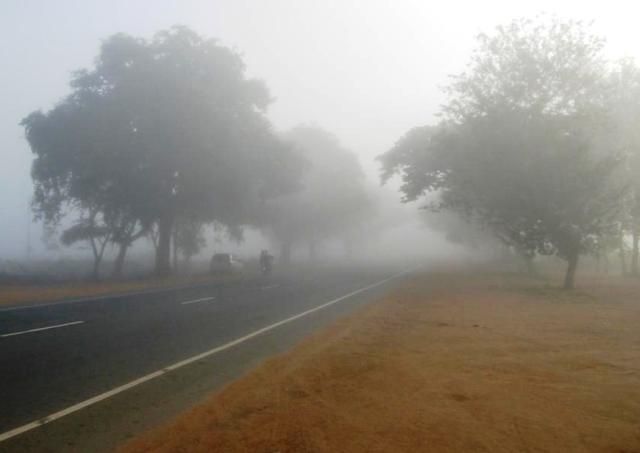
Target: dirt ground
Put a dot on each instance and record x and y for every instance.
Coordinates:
(28, 294)
(464, 363)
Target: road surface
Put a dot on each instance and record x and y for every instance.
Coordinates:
(112, 367)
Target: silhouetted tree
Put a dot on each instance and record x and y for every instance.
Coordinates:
(82, 168)
(89, 228)
(516, 147)
(332, 202)
(189, 239)
(159, 130)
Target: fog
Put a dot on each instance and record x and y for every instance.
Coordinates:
(367, 71)
(364, 200)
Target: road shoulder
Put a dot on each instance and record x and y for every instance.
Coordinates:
(103, 426)
(445, 363)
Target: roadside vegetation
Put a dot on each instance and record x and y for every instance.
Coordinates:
(166, 137)
(537, 144)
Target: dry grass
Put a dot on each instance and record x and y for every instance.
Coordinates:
(447, 363)
(17, 294)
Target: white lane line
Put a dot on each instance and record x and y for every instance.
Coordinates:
(195, 301)
(269, 287)
(103, 396)
(40, 329)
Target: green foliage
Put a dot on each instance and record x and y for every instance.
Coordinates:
(83, 231)
(190, 238)
(159, 130)
(517, 150)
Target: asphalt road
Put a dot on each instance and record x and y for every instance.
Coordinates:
(55, 356)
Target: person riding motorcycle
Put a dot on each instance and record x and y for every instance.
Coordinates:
(266, 262)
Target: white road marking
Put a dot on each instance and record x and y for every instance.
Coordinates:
(195, 301)
(57, 326)
(103, 396)
(269, 287)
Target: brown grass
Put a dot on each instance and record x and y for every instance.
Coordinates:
(18, 294)
(446, 363)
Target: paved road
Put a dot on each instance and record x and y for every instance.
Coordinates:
(55, 356)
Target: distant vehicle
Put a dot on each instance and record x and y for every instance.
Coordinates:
(222, 263)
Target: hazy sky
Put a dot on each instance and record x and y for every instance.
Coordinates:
(367, 70)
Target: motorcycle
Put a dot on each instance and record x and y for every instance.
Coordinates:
(265, 269)
(266, 264)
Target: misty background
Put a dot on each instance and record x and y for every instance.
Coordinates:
(365, 70)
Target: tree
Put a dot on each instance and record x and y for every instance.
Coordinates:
(126, 230)
(76, 170)
(458, 230)
(189, 240)
(89, 228)
(159, 130)
(515, 150)
(332, 202)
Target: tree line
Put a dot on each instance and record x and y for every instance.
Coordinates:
(163, 137)
(538, 143)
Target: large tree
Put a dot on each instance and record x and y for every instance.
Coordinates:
(83, 168)
(516, 149)
(175, 130)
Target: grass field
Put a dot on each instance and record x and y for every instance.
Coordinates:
(447, 362)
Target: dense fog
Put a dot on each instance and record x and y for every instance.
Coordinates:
(271, 123)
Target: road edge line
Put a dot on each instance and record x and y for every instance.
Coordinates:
(197, 301)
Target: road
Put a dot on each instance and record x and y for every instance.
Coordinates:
(183, 343)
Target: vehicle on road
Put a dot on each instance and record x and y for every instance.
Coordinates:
(223, 263)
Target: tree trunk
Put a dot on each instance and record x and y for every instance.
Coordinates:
(569, 277)
(98, 252)
(95, 274)
(97, 258)
(163, 252)
(118, 264)
(634, 253)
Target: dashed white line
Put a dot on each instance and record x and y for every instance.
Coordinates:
(269, 287)
(195, 301)
(103, 396)
(40, 329)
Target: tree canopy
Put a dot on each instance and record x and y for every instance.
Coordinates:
(332, 200)
(516, 149)
(159, 130)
